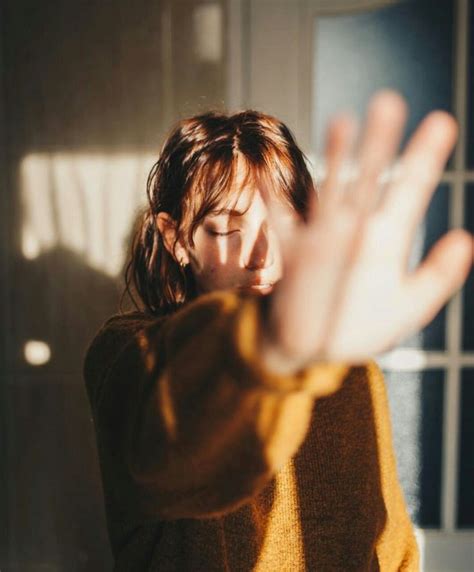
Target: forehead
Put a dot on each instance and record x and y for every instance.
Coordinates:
(251, 208)
(245, 196)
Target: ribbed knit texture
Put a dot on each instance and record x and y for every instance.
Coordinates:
(211, 463)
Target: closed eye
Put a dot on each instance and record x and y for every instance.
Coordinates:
(216, 233)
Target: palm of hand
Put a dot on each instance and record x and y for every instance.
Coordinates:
(346, 292)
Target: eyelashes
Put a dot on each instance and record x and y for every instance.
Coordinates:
(216, 233)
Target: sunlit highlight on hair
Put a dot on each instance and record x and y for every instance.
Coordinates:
(199, 172)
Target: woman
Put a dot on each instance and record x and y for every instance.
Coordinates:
(240, 422)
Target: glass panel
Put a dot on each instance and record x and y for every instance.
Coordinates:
(416, 402)
(466, 459)
(407, 47)
(433, 227)
(468, 297)
(470, 99)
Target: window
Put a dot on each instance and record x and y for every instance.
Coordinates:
(421, 49)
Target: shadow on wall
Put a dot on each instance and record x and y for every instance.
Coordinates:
(76, 213)
(56, 514)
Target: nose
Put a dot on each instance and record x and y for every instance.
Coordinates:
(261, 253)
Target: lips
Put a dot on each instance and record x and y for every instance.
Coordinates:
(258, 287)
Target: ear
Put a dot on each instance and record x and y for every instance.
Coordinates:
(168, 230)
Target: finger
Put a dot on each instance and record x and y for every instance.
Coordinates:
(440, 275)
(419, 171)
(385, 121)
(340, 139)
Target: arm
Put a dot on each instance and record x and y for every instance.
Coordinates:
(189, 422)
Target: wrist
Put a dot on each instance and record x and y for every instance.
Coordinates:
(275, 356)
(275, 360)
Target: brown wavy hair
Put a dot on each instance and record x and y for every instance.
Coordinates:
(193, 177)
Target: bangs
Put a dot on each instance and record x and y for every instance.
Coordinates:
(220, 179)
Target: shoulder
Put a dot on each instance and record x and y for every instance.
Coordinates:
(120, 330)
(112, 338)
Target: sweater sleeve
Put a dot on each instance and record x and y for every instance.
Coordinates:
(189, 424)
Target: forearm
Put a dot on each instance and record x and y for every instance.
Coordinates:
(203, 426)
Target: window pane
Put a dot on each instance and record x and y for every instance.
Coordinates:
(433, 227)
(408, 47)
(466, 460)
(416, 402)
(470, 99)
(468, 297)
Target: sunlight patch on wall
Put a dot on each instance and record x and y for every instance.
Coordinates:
(36, 352)
(208, 22)
(85, 203)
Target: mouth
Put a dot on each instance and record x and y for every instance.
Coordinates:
(259, 288)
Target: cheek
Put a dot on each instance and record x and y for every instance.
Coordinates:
(215, 252)
(211, 255)
(216, 262)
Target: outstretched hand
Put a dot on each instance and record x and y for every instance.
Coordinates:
(346, 293)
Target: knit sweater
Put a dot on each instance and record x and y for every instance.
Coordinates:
(212, 463)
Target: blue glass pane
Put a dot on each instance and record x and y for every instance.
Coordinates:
(416, 403)
(408, 46)
(470, 92)
(468, 292)
(466, 460)
(433, 227)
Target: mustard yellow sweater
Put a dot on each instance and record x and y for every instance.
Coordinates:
(211, 463)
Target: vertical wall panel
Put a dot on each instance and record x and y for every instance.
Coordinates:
(5, 233)
(274, 35)
(84, 88)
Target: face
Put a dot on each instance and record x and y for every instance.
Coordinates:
(238, 248)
